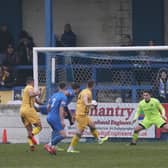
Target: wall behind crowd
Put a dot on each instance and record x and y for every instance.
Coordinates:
(148, 22)
(100, 22)
(95, 23)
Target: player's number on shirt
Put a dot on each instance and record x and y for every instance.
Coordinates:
(53, 102)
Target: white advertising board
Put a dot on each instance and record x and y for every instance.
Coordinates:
(114, 120)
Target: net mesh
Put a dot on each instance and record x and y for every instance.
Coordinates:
(119, 76)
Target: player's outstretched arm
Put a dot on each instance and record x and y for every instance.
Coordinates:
(162, 111)
(138, 111)
(33, 93)
(37, 100)
(86, 100)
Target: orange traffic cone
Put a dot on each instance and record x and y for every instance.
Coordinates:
(4, 136)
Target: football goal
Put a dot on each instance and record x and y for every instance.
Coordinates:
(120, 73)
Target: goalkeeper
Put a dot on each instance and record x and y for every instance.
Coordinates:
(84, 102)
(154, 114)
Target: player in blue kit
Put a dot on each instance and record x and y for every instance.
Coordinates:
(71, 93)
(55, 118)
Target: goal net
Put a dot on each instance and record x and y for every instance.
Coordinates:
(120, 73)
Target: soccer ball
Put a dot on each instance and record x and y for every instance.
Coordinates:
(118, 100)
(94, 102)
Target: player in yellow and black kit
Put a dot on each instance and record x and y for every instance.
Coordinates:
(84, 102)
(29, 116)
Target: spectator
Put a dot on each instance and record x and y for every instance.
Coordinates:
(127, 40)
(57, 41)
(25, 48)
(5, 38)
(10, 56)
(5, 78)
(152, 52)
(25, 35)
(160, 88)
(149, 53)
(68, 38)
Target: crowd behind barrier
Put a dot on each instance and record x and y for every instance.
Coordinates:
(16, 59)
(128, 86)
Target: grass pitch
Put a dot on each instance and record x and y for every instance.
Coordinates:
(92, 155)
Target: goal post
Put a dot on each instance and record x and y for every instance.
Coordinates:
(120, 74)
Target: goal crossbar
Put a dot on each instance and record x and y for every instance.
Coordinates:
(125, 48)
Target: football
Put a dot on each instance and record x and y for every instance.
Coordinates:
(94, 102)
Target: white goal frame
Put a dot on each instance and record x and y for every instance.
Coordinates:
(36, 50)
(94, 49)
